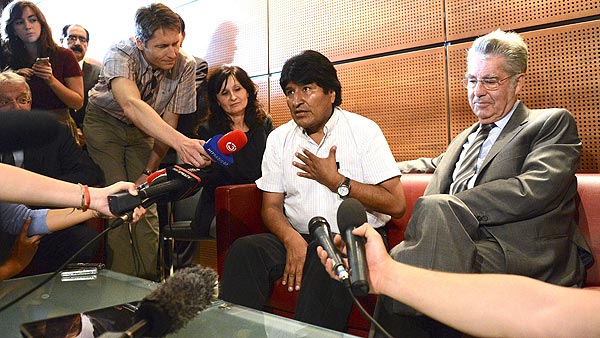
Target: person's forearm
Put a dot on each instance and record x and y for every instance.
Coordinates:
(9, 269)
(493, 305)
(72, 98)
(58, 219)
(22, 186)
(148, 121)
(276, 222)
(387, 197)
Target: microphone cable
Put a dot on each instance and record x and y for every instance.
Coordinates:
(120, 221)
(368, 316)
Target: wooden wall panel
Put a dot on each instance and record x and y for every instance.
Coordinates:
(467, 18)
(405, 95)
(344, 29)
(263, 90)
(562, 72)
(237, 35)
(277, 105)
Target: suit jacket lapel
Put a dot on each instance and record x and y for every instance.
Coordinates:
(516, 123)
(443, 173)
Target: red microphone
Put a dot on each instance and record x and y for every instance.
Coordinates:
(220, 147)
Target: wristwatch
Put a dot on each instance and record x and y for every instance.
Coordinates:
(344, 188)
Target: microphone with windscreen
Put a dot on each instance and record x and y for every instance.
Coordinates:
(220, 147)
(174, 303)
(25, 129)
(351, 214)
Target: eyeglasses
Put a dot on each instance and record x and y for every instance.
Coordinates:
(490, 84)
(73, 38)
(23, 100)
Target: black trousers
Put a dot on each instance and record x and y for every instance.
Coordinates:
(254, 262)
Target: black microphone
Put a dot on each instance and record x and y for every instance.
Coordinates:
(351, 214)
(24, 129)
(179, 181)
(320, 230)
(175, 302)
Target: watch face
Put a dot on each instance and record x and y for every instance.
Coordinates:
(343, 191)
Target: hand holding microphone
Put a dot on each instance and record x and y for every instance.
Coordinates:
(319, 229)
(176, 183)
(221, 147)
(181, 180)
(352, 214)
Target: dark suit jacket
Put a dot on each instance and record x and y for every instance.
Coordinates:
(64, 160)
(524, 193)
(90, 78)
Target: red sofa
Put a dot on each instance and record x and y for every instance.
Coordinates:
(238, 214)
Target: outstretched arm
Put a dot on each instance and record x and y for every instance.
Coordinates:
(22, 186)
(489, 305)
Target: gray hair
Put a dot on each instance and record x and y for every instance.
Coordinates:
(509, 45)
(8, 76)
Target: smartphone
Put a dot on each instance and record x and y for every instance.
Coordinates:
(43, 61)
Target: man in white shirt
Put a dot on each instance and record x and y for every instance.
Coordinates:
(310, 164)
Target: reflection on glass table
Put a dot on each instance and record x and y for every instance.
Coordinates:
(90, 305)
(58, 298)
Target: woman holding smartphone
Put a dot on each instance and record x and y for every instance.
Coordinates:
(52, 72)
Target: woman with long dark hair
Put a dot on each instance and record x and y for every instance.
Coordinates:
(52, 72)
(233, 105)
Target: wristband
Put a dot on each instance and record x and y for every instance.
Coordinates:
(147, 172)
(85, 197)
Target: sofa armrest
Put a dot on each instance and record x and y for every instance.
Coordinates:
(414, 185)
(238, 214)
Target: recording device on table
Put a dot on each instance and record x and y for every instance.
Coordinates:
(80, 271)
(181, 180)
(164, 311)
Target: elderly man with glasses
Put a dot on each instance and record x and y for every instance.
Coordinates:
(76, 38)
(501, 199)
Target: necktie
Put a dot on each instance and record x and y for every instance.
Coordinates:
(469, 164)
(8, 158)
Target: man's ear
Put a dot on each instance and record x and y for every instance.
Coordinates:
(139, 43)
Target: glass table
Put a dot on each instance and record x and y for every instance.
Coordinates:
(60, 298)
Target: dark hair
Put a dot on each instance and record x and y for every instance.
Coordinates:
(152, 17)
(312, 67)
(66, 29)
(216, 117)
(182, 24)
(19, 57)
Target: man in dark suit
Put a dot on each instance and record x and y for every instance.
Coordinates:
(76, 38)
(61, 159)
(512, 211)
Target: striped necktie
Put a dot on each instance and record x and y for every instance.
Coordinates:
(469, 164)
